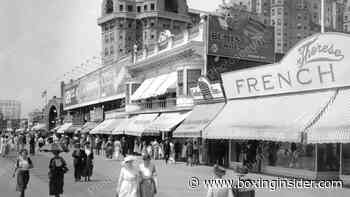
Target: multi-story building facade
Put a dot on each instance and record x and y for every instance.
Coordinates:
(346, 19)
(10, 109)
(297, 19)
(126, 23)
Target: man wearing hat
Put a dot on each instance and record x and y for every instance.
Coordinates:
(215, 191)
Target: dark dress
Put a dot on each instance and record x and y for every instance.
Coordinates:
(89, 165)
(22, 176)
(57, 169)
(78, 163)
(32, 145)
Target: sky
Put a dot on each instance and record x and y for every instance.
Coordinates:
(41, 40)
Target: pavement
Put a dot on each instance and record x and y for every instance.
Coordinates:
(173, 180)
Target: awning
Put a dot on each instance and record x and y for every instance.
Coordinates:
(166, 122)
(120, 129)
(137, 125)
(64, 127)
(88, 127)
(197, 120)
(333, 125)
(275, 118)
(39, 127)
(156, 86)
(73, 128)
(107, 126)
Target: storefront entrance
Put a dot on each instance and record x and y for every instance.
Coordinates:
(218, 151)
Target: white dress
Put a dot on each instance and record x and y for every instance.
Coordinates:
(117, 150)
(128, 183)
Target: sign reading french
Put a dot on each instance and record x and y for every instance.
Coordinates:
(318, 62)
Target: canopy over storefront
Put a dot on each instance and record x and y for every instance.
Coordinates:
(333, 125)
(88, 127)
(166, 122)
(64, 127)
(137, 125)
(197, 120)
(107, 126)
(274, 118)
(156, 86)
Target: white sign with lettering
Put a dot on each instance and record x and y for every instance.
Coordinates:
(321, 61)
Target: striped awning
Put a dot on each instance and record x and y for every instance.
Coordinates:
(166, 122)
(88, 127)
(137, 125)
(274, 118)
(107, 126)
(333, 125)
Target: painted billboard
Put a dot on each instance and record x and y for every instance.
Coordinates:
(240, 37)
(103, 85)
(318, 62)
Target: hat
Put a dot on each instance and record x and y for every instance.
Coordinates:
(219, 170)
(128, 159)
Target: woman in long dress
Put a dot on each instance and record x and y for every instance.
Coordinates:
(117, 150)
(129, 180)
(57, 169)
(148, 174)
(23, 165)
(89, 162)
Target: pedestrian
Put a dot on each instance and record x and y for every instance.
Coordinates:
(2, 145)
(41, 142)
(166, 151)
(183, 152)
(109, 148)
(149, 182)
(117, 150)
(32, 144)
(144, 148)
(78, 162)
(89, 162)
(172, 152)
(189, 153)
(124, 147)
(195, 153)
(104, 147)
(215, 191)
(98, 143)
(23, 165)
(57, 169)
(129, 180)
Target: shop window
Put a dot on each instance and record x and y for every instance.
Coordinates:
(145, 8)
(121, 8)
(346, 159)
(236, 151)
(180, 82)
(192, 79)
(289, 155)
(328, 157)
(152, 6)
(130, 8)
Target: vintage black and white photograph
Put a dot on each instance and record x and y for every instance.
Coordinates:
(174, 98)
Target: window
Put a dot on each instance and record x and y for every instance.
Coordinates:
(171, 6)
(109, 7)
(106, 51)
(145, 8)
(106, 39)
(121, 50)
(111, 26)
(130, 25)
(152, 24)
(152, 6)
(180, 82)
(111, 50)
(346, 17)
(139, 9)
(192, 79)
(273, 22)
(279, 22)
(279, 11)
(121, 25)
(273, 12)
(111, 37)
(120, 37)
(130, 8)
(121, 8)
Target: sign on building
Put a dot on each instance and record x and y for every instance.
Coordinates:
(318, 62)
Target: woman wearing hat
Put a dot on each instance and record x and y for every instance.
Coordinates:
(89, 162)
(23, 165)
(128, 184)
(57, 169)
(219, 191)
(78, 161)
(148, 184)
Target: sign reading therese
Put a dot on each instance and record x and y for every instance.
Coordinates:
(241, 37)
(318, 62)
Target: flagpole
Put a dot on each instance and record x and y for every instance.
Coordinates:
(322, 16)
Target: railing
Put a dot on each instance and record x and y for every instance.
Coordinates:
(169, 103)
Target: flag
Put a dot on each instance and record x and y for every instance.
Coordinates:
(43, 94)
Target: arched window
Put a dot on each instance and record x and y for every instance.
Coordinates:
(109, 6)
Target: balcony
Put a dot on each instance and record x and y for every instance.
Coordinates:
(159, 105)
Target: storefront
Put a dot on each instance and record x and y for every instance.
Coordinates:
(289, 118)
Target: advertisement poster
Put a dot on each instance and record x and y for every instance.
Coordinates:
(70, 96)
(89, 88)
(241, 37)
